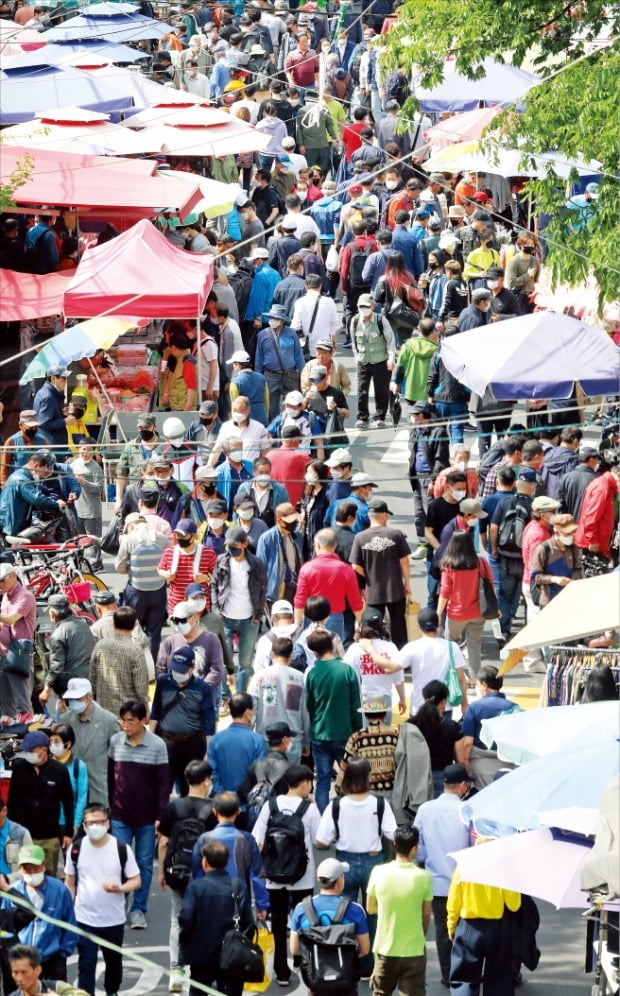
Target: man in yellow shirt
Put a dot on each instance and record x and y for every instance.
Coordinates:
(475, 928)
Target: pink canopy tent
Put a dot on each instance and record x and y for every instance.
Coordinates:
(461, 127)
(28, 295)
(142, 274)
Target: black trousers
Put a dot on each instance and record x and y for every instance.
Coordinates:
(210, 974)
(151, 609)
(396, 613)
(280, 901)
(421, 498)
(442, 940)
(379, 375)
(179, 755)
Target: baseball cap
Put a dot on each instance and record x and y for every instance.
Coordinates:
(592, 190)
(454, 774)
(378, 505)
(294, 399)
(365, 301)
(134, 517)
(259, 253)
(57, 371)
(182, 659)
(195, 590)
(288, 512)
(31, 854)
(235, 534)
(289, 142)
(325, 344)
(239, 356)
(36, 739)
(421, 408)
(495, 271)
(217, 506)
(545, 504)
(77, 688)
(149, 495)
(104, 597)
(187, 527)
(587, 453)
(481, 294)
(361, 480)
(331, 869)
(146, 420)
(338, 457)
(276, 732)
(205, 473)
(6, 569)
(208, 408)
(318, 370)
(284, 160)
(182, 610)
(29, 417)
(480, 197)
(282, 608)
(372, 617)
(527, 474)
(58, 602)
(471, 506)
(428, 620)
(422, 213)
(161, 460)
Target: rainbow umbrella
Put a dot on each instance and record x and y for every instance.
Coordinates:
(76, 343)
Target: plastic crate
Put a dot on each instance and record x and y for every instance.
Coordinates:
(78, 592)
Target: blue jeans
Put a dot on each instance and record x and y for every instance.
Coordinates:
(144, 849)
(356, 881)
(325, 752)
(509, 593)
(87, 958)
(494, 565)
(247, 632)
(432, 587)
(456, 412)
(335, 624)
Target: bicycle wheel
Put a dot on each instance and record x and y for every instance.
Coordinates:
(92, 579)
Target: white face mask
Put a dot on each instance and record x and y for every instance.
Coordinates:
(183, 628)
(96, 833)
(57, 750)
(246, 514)
(493, 284)
(274, 323)
(309, 479)
(163, 480)
(214, 523)
(238, 417)
(391, 184)
(200, 604)
(34, 880)
(292, 412)
(263, 480)
(336, 473)
(236, 456)
(458, 495)
(176, 440)
(302, 194)
(566, 540)
(30, 757)
(460, 465)
(365, 312)
(181, 679)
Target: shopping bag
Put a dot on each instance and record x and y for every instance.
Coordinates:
(266, 943)
(455, 692)
(412, 610)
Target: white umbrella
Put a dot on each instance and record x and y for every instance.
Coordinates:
(490, 156)
(524, 736)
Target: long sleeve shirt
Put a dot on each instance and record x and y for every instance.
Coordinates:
(138, 779)
(261, 292)
(326, 572)
(290, 351)
(471, 901)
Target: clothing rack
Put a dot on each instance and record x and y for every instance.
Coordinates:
(568, 668)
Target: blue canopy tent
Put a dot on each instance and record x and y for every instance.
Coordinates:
(500, 84)
(28, 90)
(119, 28)
(93, 52)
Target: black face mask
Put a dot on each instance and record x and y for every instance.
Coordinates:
(207, 421)
(290, 526)
(529, 250)
(30, 432)
(209, 489)
(185, 542)
(147, 435)
(79, 413)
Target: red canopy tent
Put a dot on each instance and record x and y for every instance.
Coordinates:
(97, 185)
(28, 295)
(139, 273)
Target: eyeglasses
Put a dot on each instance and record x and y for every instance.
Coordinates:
(95, 823)
(177, 621)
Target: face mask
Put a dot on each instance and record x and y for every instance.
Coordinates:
(79, 413)
(528, 250)
(290, 526)
(57, 749)
(493, 284)
(181, 679)
(31, 757)
(263, 480)
(187, 541)
(292, 412)
(460, 465)
(471, 523)
(336, 474)
(96, 833)
(163, 480)
(311, 480)
(302, 194)
(235, 551)
(199, 604)
(183, 628)
(433, 266)
(391, 184)
(208, 421)
(34, 880)
(274, 323)
(176, 440)
(147, 435)
(30, 432)
(246, 514)
(566, 540)
(214, 523)
(76, 706)
(365, 312)
(86, 458)
(238, 417)
(235, 456)
(458, 495)
(208, 489)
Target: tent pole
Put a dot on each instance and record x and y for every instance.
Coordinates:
(199, 356)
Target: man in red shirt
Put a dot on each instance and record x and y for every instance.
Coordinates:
(302, 65)
(596, 520)
(351, 135)
(288, 463)
(326, 572)
(404, 200)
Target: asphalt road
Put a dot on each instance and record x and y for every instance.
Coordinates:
(383, 453)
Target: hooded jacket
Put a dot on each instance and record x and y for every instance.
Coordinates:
(411, 373)
(558, 462)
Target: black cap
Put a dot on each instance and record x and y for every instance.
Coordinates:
(372, 617)
(378, 505)
(235, 534)
(276, 732)
(104, 598)
(421, 408)
(217, 506)
(428, 620)
(454, 774)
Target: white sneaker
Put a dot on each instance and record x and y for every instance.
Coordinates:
(137, 920)
(177, 980)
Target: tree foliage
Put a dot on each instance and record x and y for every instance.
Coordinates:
(13, 181)
(574, 111)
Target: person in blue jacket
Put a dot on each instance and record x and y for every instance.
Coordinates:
(62, 742)
(49, 404)
(263, 287)
(280, 551)
(22, 494)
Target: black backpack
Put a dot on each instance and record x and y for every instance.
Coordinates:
(336, 814)
(122, 856)
(32, 254)
(264, 788)
(178, 858)
(328, 952)
(284, 854)
(510, 532)
(356, 267)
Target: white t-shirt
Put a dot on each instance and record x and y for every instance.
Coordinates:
(96, 865)
(429, 660)
(238, 604)
(310, 820)
(358, 825)
(373, 680)
(253, 434)
(262, 654)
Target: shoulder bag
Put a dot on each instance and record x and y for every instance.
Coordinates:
(455, 694)
(19, 657)
(240, 954)
(489, 609)
(290, 378)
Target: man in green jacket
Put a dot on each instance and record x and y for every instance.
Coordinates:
(316, 132)
(334, 706)
(411, 372)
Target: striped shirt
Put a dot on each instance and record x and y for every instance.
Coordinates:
(138, 779)
(188, 566)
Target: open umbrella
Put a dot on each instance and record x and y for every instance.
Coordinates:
(541, 355)
(493, 157)
(524, 736)
(75, 344)
(462, 127)
(575, 776)
(544, 863)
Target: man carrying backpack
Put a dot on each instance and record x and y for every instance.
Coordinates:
(285, 831)
(265, 778)
(374, 348)
(352, 262)
(184, 820)
(41, 250)
(331, 934)
(510, 518)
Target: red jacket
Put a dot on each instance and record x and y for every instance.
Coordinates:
(596, 519)
(328, 573)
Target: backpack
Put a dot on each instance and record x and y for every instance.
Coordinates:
(284, 854)
(143, 561)
(32, 254)
(298, 661)
(510, 533)
(356, 63)
(356, 268)
(264, 788)
(397, 87)
(178, 858)
(122, 856)
(328, 952)
(336, 814)
(353, 329)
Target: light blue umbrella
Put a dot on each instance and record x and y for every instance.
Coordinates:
(576, 776)
(61, 54)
